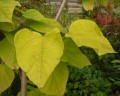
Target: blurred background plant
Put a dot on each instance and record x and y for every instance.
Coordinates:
(89, 81)
(40, 5)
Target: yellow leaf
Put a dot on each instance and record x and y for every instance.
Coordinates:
(56, 84)
(45, 25)
(6, 9)
(6, 77)
(38, 55)
(88, 4)
(87, 33)
(8, 54)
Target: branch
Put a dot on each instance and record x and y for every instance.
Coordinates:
(23, 83)
(60, 10)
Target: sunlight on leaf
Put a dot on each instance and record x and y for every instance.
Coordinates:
(38, 55)
(6, 9)
(87, 33)
(88, 4)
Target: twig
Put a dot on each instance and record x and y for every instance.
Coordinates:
(23, 83)
(60, 10)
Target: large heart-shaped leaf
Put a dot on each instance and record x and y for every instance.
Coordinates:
(6, 10)
(87, 33)
(38, 55)
(6, 77)
(8, 54)
(56, 84)
(73, 55)
(88, 4)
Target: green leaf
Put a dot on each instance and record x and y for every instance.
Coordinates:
(33, 14)
(115, 61)
(7, 27)
(8, 54)
(73, 55)
(38, 55)
(6, 9)
(34, 92)
(117, 83)
(56, 83)
(6, 77)
(39, 23)
(88, 4)
(10, 36)
(45, 25)
(103, 2)
(87, 33)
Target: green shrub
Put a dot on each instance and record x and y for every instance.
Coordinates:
(88, 81)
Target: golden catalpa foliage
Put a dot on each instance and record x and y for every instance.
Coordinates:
(43, 49)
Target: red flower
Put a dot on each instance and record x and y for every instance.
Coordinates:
(116, 22)
(105, 19)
